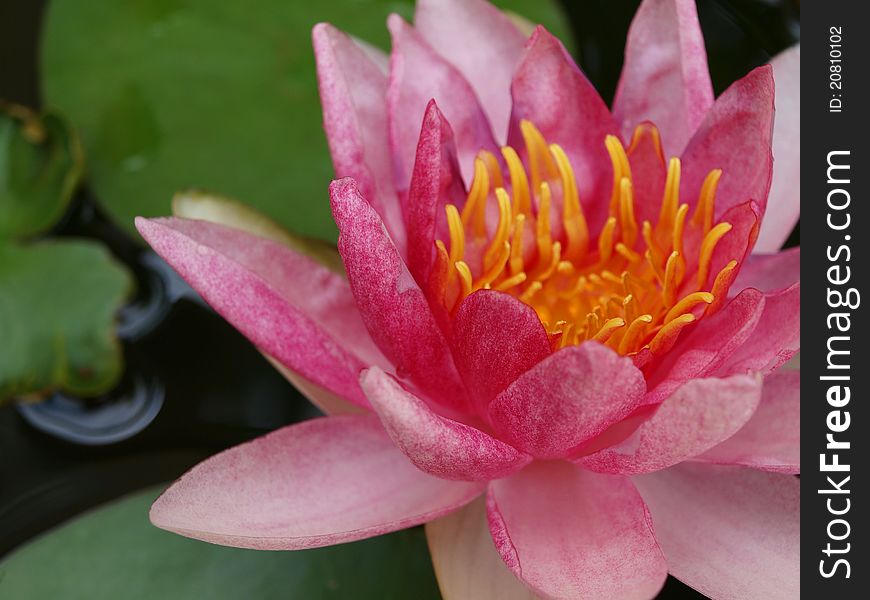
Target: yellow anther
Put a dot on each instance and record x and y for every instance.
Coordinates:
(548, 268)
(679, 227)
(493, 168)
(626, 212)
(519, 182)
(510, 282)
(605, 241)
(634, 333)
(667, 335)
(457, 233)
(517, 264)
(465, 280)
(629, 254)
(503, 230)
(708, 245)
(545, 242)
(610, 326)
(621, 169)
(573, 219)
(498, 265)
(530, 291)
(720, 286)
(671, 283)
(703, 216)
(687, 304)
(541, 165)
(474, 211)
(672, 196)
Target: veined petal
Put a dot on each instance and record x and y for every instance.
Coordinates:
(770, 272)
(417, 75)
(736, 137)
(482, 43)
(392, 305)
(570, 533)
(665, 77)
(728, 532)
(435, 444)
(649, 171)
(436, 182)
(771, 439)
(496, 338)
(317, 483)
(353, 91)
(549, 90)
(288, 305)
(776, 338)
(566, 400)
(784, 202)
(698, 416)
(466, 562)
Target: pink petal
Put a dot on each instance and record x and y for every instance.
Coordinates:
(770, 272)
(705, 348)
(569, 533)
(735, 137)
(665, 78)
(783, 205)
(482, 43)
(771, 439)
(392, 305)
(776, 338)
(549, 90)
(321, 482)
(417, 75)
(288, 305)
(466, 562)
(728, 532)
(353, 92)
(437, 445)
(698, 416)
(496, 339)
(567, 399)
(436, 182)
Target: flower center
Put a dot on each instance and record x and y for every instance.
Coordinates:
(630, 287)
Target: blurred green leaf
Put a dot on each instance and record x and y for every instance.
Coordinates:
(58, 301)
(41, 164)
(115, 553)
(220, 95)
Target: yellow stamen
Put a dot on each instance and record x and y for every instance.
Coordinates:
(493, 168)
(572, 213)
(687, 304)
(708, 245)
(519, 182)
(626, 287)
(633, 334)
(457, 234)
(541, 165)
(474, 211)
(504, 228)
(704, 211)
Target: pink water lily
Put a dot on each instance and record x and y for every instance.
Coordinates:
(553, 343)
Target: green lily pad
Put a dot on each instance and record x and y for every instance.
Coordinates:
(58, 301)
(41, 164)
(114, 552)
(213, 94)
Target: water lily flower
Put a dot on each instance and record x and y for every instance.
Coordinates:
(553, 343)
